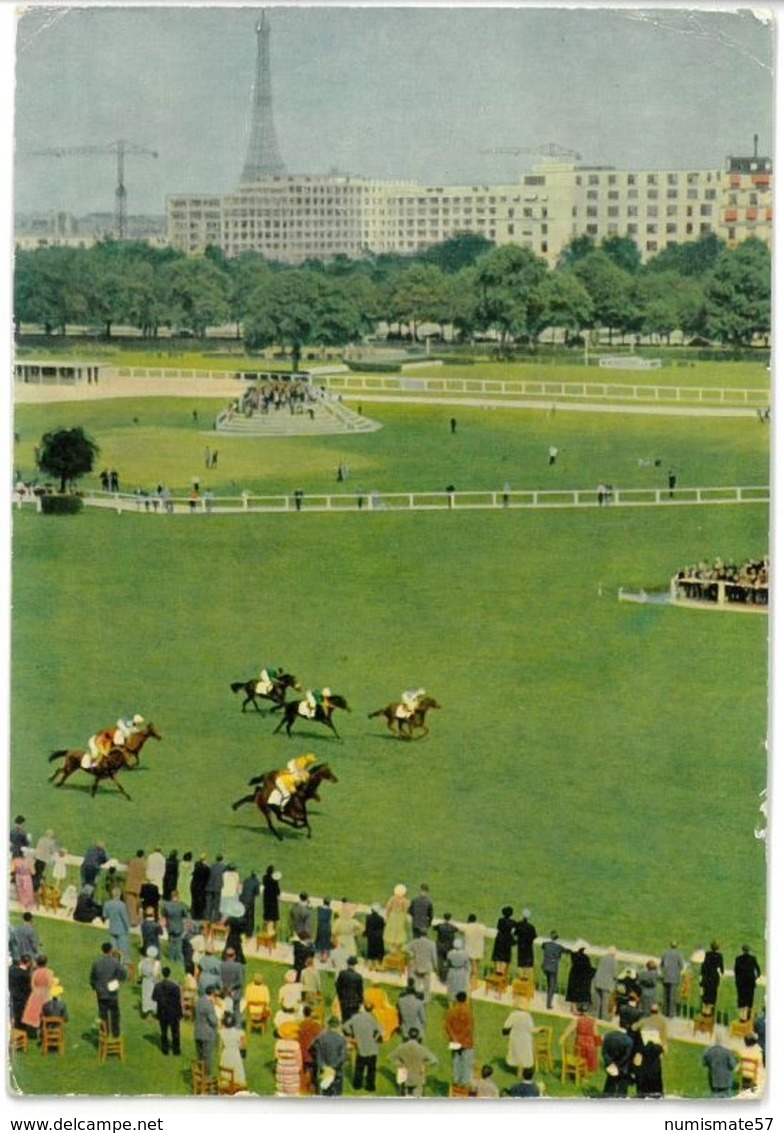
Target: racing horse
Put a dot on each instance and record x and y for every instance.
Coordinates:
(277, 693)
(293, 711)
(404, 727)
(117, 759)
(296, 812)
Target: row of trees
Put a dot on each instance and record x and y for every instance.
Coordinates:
(466, 284)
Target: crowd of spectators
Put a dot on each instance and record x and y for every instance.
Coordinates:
(198, 923)
(273, 396)
(722, 581)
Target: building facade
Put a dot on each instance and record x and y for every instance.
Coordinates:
(295, 218)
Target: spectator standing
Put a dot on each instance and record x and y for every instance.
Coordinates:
(19, 987)
(411, 1010)
(199, 882)
(396, 930)
(446, 932)
(149, 974)
(710, 975)
(474, 936)
(175, 913)
(672, 965)
(459, 1028)
(374, 935)
(346, 929)
(349, 988)
(458, 970)
(604, 982)
(270, 887)
(106, 975)
(421, 911)
(25, 938)
(363, 1027)
(412, 1059)
(721, 1064)
(205, 1028)
(232, 1045)
(648, 979)
(45, 849)
(155, 870)
(525, 936)
(94, 858)
(747, 972)
(552, 951)
(213, 890)
(134, 879)
(323, 942)
(422, 962)
(519, 1027)
(330, 1054)
(118, 924)
(617, 1050)
(151, 932)
(251, 887)
(170, 875)
(167, 998)
(23, 872)
(504, 940)
(300, 916)
(581, 973)
(19, 837)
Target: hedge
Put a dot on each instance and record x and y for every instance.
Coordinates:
(61, 505)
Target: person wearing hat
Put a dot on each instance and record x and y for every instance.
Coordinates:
(270, 899)
(199, 880)
(364, 1029)
(396, 928)
(126, 727)
(149, 974)
(55, 1007)
(411, 1010)
(445, 932)
(458, 970)
(672, 965)
(19, 838)
(581, 973)
(118, 924)
(294, 776)
(412, 1059)
(350, 989)
(374, 936)
(330, 1055)
(525, 937)
(747, 972)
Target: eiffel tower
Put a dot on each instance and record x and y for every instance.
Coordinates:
(263, 158)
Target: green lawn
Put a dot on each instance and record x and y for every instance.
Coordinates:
(597, 761)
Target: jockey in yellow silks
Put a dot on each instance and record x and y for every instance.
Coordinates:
(268, 678)
(409, 702)
(295, 775)
(99, 745)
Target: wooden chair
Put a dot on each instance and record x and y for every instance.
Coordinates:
(394, 962)
(456, 1091)
(49, 896)
(267, 940)
(739, 1028)
(200, 1083)
(496, 983)
(20, 1040)
(52, 1034)
(543, 1049)
(256, 1016)
(705, 1022)
(683, 998)
(573, 1066)
(217, 935)
(109, 1046)
(750, 1073)
(523, 987)
(226, 1083)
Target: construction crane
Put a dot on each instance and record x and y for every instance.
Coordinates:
(120, 149)
(550, 150)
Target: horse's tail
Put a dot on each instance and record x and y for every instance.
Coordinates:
(258, 779)
(380, 712)
(277, 707)
(237, 686)
(58, 754)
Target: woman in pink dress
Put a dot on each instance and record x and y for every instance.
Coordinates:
(23, 880)
(586, 1038)
(41, 984)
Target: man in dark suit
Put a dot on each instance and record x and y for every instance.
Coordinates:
(201, 875)
(106, 975)
(232, 978)
(166, 996)
(617, 1050)
(19, 977)
(350, 990)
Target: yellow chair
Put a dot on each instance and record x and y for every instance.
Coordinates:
(267, 940)
(226, 1083)
(705, 1022)
(456, 1091)
(496, 983)
(217, 935)
(49, 896)
(109, 1046)
(739, 1028)
(394, 962)
(256, 1016)
(52, 1034)
(20, 1040)
(543, 1049)
(573, 1066)
(750, 1073)
(523, 987)
(200, 1083)
(188, 997)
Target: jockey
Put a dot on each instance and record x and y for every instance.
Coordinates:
(296, 775)
(267, 679)
(409, 702)
(314, 698)
(98, 746)
(126, 727)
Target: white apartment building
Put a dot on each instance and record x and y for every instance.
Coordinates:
(295, 218)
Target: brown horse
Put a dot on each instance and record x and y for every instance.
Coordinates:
(277, 693)
(404, 727)
(291, 713)
(115, 760)
(296, 811)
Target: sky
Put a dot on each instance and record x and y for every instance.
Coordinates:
(416, 93)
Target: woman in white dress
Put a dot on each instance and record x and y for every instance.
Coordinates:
(149, 974)
(232, 1042)
(519, 1026)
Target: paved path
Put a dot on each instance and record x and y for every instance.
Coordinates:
(223, 389)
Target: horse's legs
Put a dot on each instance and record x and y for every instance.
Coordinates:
(266, 812)
(119, 787)
(284, 720)
(243, 800)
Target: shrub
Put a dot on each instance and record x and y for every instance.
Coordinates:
(373, 367)
(61, 505)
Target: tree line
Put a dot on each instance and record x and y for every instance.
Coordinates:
(467, 286)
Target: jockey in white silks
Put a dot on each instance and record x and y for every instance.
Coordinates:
(296, 774)
(267, 680)
(409, 702)
(99, 745)
(312, 700)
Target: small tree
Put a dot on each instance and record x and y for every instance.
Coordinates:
(67, 454)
